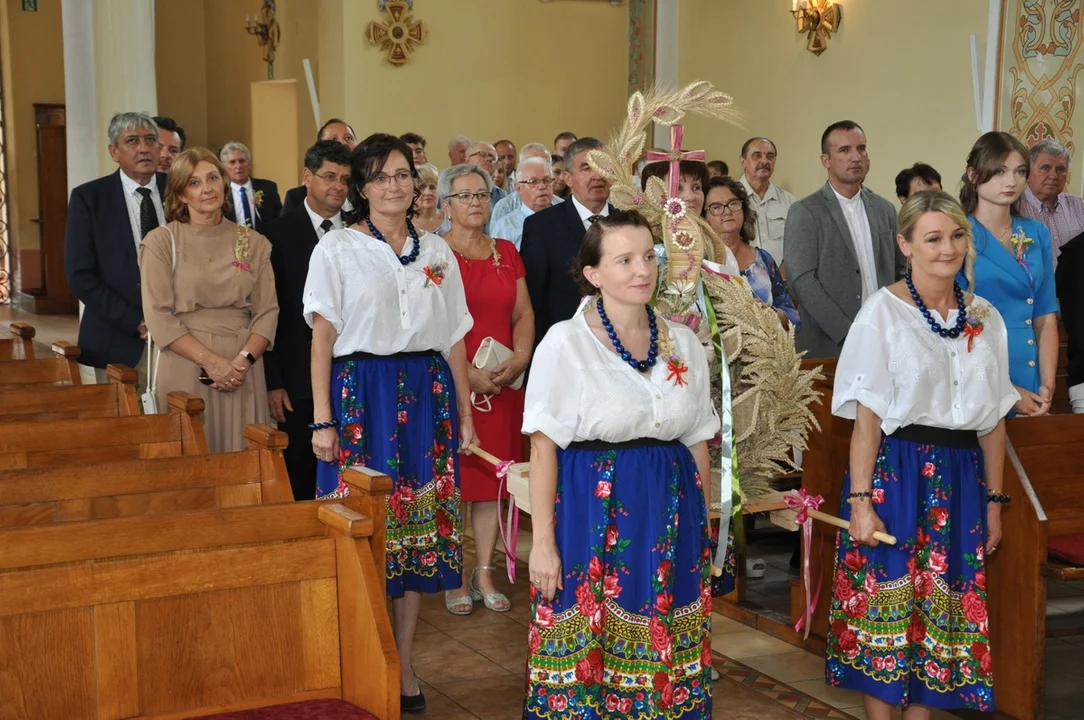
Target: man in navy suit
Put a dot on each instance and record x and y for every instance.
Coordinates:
(107, 219)
(333, 129)
(293, 237)
(255, 200)
(552, 237)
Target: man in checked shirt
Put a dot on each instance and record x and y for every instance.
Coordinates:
(1045, 199)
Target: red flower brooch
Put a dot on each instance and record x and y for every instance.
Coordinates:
(677, 369)
(434, 274)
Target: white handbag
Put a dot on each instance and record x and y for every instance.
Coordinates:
(491, 354)
(149, 399)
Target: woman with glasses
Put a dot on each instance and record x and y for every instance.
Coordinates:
(389, 379)
(427, 214)
(496, 290)
(732, 217)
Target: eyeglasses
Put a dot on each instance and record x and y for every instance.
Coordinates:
(466, 197)
(544, 182)
(336, 179)
(492, 158)
(717, 208)
(402, 178)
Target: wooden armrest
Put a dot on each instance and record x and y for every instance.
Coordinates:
(1058, 570)
(66, 350)
(121, 374)
(22, 330)
(341, 518)
(265, 437)
(185, 402)
(367, 480)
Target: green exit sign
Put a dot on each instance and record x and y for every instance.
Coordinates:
(30, 5)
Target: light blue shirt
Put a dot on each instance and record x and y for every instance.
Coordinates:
(510, 227)
(513, 202)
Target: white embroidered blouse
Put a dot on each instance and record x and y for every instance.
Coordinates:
(908, 375)
(579, 389)
(378, 305)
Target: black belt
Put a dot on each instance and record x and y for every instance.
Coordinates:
(927, 435)
(600, 445)
(370, 356)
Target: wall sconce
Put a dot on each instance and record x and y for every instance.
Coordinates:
(818, 18)
(266, 31)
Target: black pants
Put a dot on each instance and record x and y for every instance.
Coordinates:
(300, 460)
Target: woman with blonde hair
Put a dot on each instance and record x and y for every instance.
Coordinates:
(427, 213)
(924, 374)
(209, 301)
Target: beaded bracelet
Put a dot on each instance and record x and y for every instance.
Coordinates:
(324, 425)
(997, 497)
(862, 494)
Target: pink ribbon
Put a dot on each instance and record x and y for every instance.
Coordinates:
(509, 530)
(675, 156)
(803, 502)
(241, 265)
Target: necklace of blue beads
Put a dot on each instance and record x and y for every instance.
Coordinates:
(403, 259)
(961, 314)
(653, 348)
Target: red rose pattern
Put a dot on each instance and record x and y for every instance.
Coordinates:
(854, 561)
(939, 517)
(594, 570)
(611, 536)
(602, 490)
(928, 470)
(974, 607)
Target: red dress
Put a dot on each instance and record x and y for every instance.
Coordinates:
(491, 298)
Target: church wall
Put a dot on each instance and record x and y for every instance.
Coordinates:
(900, 69)
(181, 65)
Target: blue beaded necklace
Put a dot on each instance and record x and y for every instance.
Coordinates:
(961, 314)
(653, 349)
(404, 259)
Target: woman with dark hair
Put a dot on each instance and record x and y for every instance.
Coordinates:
(389, 378)
(1015, 265)
(619, 413)
(731, 215)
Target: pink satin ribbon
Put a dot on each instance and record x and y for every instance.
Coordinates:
(675, 156)
(241, 265)
(803, 502)
(510, 530)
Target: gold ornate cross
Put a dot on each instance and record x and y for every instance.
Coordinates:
(399, 33)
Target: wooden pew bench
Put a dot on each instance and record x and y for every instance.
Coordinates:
(67, 442)
(194, 613)
(20, 346)
(33, 403)
(61, 369)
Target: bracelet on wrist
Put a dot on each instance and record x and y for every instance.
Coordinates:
(324, 425)
(859, 495)
(997, 497)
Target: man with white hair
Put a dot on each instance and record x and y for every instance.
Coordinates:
(1045, 198)
(255, 200)
(457, 149)
(484, 155)
(534, 187)
(107, 220)
(513, 201)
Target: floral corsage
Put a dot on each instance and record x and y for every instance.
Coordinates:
(675, 366)
(257, 198)
(241, 249)
(1020, 242)
(973, 326)
(434, 274)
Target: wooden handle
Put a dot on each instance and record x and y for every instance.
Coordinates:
(841, 523)
(491, 459)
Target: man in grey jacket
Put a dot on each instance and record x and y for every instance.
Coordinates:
(839, 244)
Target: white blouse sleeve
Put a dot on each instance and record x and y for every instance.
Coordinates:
(862, 373)
(707, 422)
(1006, 394)
(323, 289)
(554, 389)
(459, 317)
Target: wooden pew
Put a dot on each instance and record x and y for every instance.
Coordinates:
(61, 369)
(67, 442)
(124, 488)
(192, 613)
(20, 346)
(34, 403)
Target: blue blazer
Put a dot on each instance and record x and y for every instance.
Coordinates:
(1020, 295)
(103, 271)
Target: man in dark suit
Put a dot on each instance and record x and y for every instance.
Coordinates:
(255, 200)
(333, 129)
(107, 219)
(293, 237)
(551, 239)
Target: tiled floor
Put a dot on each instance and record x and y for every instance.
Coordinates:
(50, 328)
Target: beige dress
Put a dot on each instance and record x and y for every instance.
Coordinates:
(220, 300)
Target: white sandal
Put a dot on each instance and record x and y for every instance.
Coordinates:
(755, 568)
(497, 601)
(466, 602)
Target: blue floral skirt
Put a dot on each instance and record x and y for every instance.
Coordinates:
(908, 624)
(397, 415)
(629, 636)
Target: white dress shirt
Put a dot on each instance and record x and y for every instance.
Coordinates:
(771, 217)
(318, 221)
(510, 227)
(579, 389)
(134, 201)
(358, 285)
(909, 375)
(585, 213)
(238, 212)
(854, 211)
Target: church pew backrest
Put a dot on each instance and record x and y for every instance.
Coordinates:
(193, 613)
(34, 403)
(61, 369)
(20, 346)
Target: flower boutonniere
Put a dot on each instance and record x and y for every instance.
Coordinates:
(434, 274)
(241, 249)
(676, 369)
(1020, 242)
(257, 198)
(974, 326)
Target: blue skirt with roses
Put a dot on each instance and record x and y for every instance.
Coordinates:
(629, 636)
(397, 415)
(908, 623)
